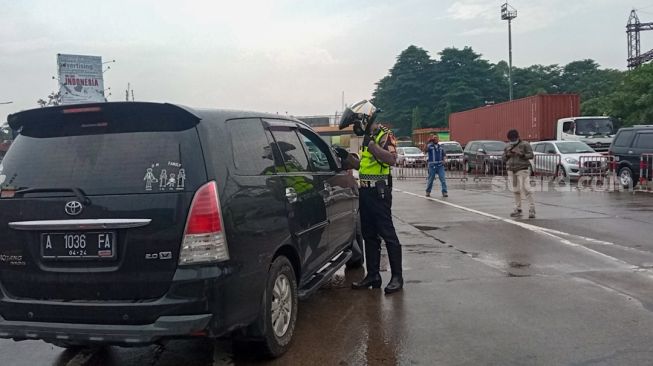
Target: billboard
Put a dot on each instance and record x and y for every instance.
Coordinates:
(80, 79)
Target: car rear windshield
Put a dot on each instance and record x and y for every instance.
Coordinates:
(494, 146)
(452, 148)
(104, 158)
(412, 150)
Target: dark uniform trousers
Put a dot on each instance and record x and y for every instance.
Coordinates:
(376, 224)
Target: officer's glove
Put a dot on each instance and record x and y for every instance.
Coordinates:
(367, 140)
(341, 153)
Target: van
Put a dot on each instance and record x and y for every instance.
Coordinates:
(128, 223)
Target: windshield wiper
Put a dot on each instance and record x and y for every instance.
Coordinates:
(81, 196)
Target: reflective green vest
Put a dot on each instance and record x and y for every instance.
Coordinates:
(370, 168)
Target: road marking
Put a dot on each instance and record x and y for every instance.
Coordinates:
(556, 234)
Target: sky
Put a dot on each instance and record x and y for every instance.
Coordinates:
(287, 56)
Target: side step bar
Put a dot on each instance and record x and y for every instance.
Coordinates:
(324, 275)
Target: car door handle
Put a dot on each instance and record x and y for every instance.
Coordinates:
(291, 195)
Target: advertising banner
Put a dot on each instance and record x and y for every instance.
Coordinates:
(80, 79)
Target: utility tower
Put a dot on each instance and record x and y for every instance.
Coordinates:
(635, 55)
(509, 13)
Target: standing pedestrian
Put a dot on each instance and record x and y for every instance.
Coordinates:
(436, 155)
(378, 154)
(517, 155)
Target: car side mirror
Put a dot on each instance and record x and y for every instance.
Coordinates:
(481, 151)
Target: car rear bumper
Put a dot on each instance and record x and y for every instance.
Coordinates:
(163, 327)
(192, 306)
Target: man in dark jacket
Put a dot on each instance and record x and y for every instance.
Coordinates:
(517, 155)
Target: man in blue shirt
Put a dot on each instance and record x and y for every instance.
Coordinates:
(436, 155)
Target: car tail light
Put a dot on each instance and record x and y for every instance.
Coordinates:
(81, 110)
(204, 240)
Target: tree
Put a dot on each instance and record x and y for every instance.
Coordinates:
(54, 99)
(416, 118)
(463, 80)
(632, 102)
(404, 88)
(418, 88)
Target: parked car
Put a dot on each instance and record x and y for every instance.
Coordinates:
(628, 146)
(454, 159)
(130, 223)
(484, 156)
(410, 157)
(563, 158)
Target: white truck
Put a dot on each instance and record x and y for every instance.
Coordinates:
(597, 132)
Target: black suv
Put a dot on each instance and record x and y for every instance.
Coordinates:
(627, 147)
(484, 157)
(125, 223)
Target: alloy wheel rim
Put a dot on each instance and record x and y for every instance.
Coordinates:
(282, 306)
(625, 178)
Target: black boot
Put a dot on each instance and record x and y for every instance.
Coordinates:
(396, 284)
(373, 281)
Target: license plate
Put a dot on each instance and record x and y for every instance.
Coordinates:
(79, 245)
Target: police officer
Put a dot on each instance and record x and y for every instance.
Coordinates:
(378, 154)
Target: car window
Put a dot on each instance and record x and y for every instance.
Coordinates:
(289, 151)
(250, 147)
(105, 159)
(574, 147)
(411, 150)
(644, 141)
(452, 148)
(539, 148)
(472, 147)
(549, 149)
(624, 138)
(494, 146)
(318, 152)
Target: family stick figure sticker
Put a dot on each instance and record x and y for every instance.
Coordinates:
(167, 181)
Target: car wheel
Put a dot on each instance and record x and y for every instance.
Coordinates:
(279, 309)
(626, 177)
(561, 175)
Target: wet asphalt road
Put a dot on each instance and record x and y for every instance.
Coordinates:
(572, 287)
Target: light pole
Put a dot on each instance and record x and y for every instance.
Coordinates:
(509, 13)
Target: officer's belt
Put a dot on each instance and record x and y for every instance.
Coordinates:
(366, 182)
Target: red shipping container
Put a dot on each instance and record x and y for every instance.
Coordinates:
(534, 117)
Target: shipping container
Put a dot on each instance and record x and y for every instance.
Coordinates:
(534, 117)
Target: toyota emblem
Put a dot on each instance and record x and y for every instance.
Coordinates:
(73, 208)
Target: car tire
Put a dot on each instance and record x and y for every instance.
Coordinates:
(280, 294)
(561, 175)
(626, 178)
